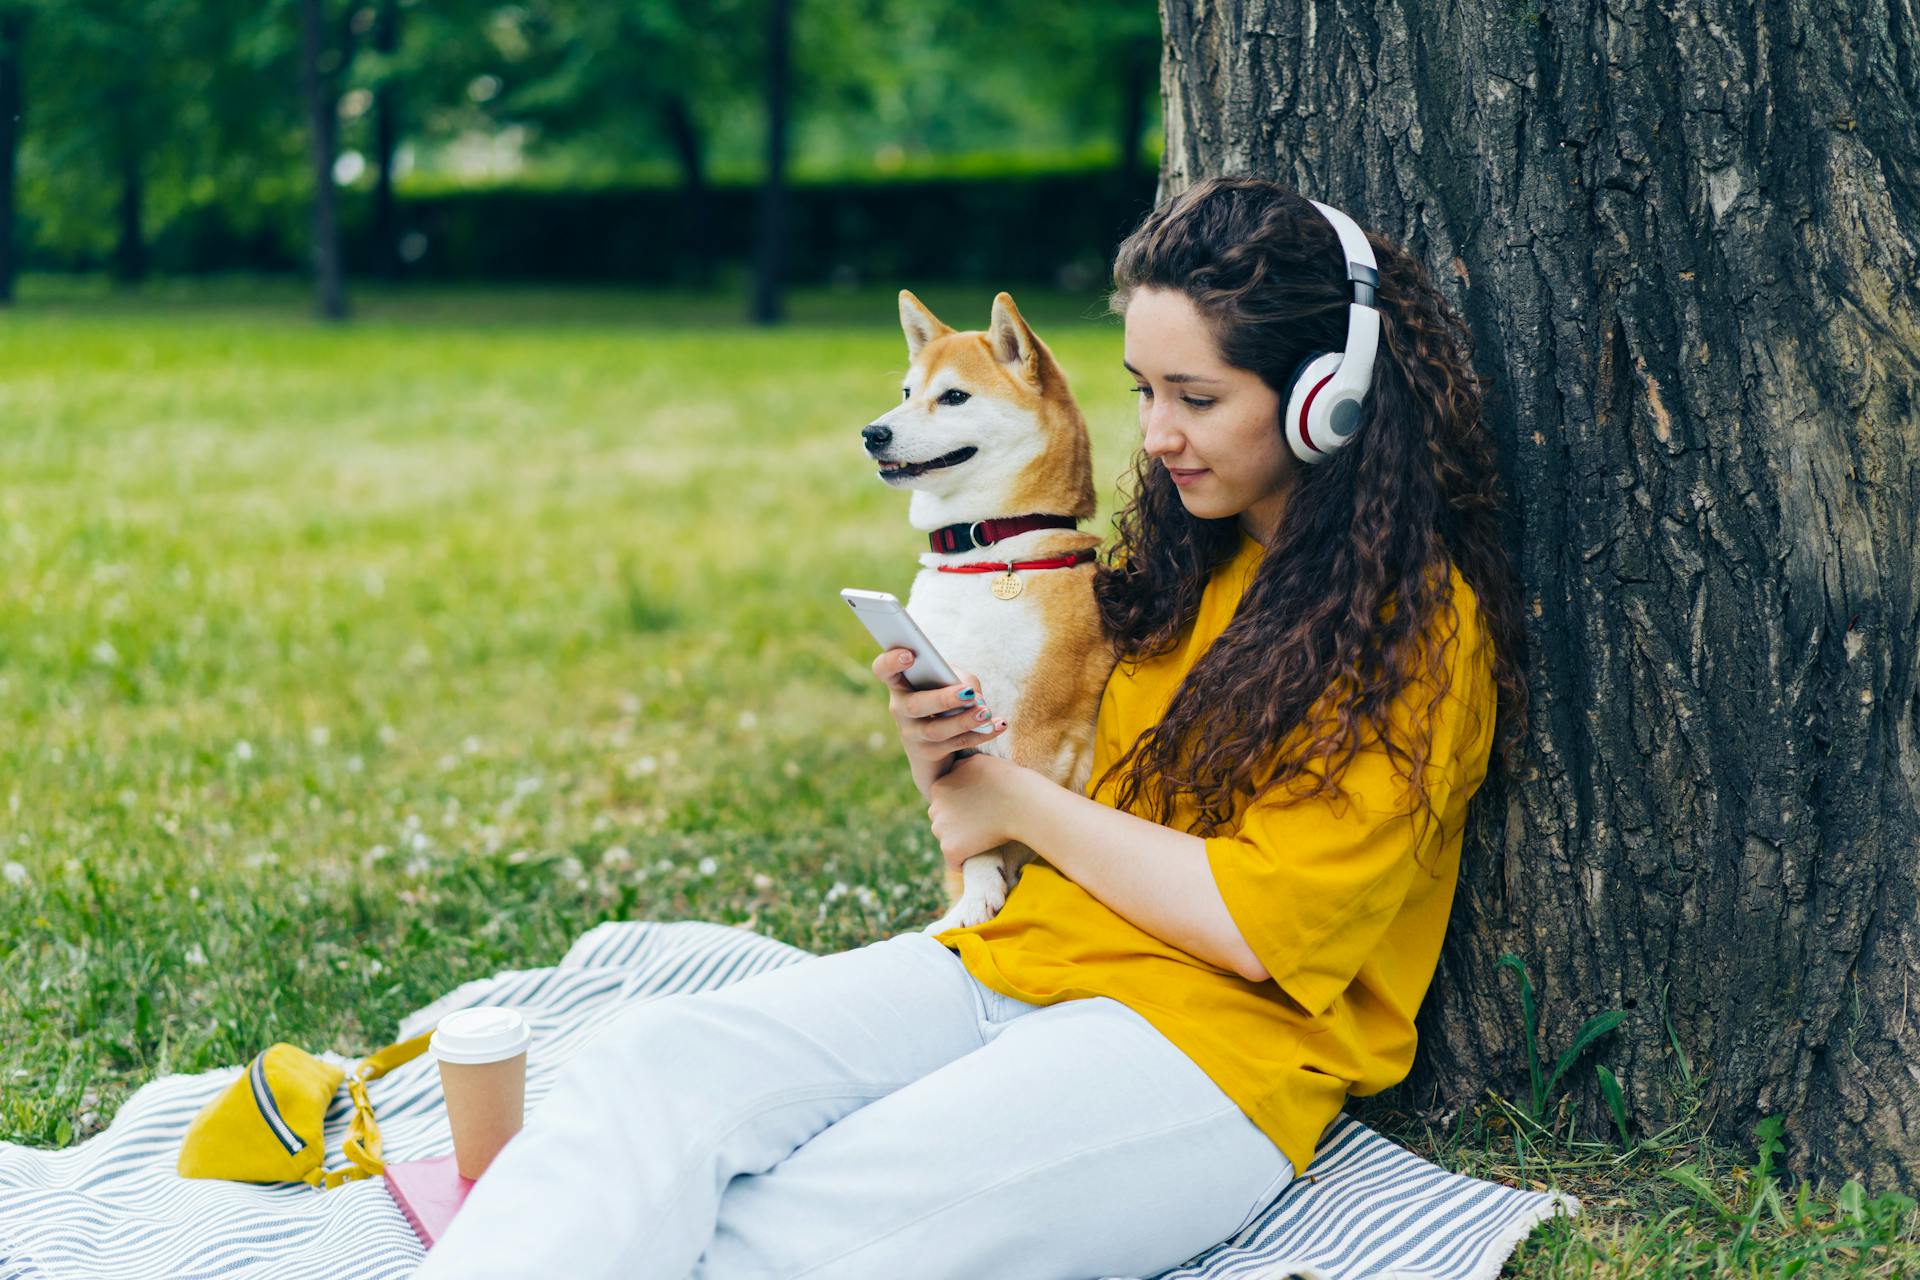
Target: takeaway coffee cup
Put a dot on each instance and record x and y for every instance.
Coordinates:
(482, 1053)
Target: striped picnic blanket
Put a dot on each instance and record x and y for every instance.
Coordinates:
(113, 1206)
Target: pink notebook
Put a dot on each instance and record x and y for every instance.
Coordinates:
(429, 1193)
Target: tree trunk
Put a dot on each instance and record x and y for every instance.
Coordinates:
(683, 135)
(323, 119)
(769, 258)
(386, 138)
(1136, 81)
(130, 252)
(13, 30)
(1684, 238)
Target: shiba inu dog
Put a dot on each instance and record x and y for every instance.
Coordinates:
(989, 439)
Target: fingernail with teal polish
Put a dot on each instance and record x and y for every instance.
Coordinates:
(966, 693)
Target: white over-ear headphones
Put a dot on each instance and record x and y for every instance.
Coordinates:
(1328, 387)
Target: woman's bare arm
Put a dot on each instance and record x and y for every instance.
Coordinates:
(1153, 875)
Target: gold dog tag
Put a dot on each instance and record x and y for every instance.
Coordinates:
(1007, 585)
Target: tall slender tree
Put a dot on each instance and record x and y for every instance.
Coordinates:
(320, 59)
(386, 141)
(770, 231)
(13, 34)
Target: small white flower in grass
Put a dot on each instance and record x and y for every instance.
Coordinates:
(762, 881)
(355, 764)
(318, 735)
(665, 864)
(374, 967)
(373, 855)
(748, 720)
(791, 768)
(194, 955)
(866, 895)
(518, 856)
(104, 653)
(643, 766)
(14, 872)
(470, 744)
(568, 868)
(839, 890)
(899, 891)
(709, 865)
(418, 841)
(418, 866)
(243, 750)
(616, 858)
(447, 762)
(876, 740)
(193, 892)
(387, 735)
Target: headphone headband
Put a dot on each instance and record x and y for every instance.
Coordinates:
(1362, 270)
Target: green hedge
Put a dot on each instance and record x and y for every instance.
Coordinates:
(1030, 228)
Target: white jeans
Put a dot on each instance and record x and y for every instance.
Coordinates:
(875, 1113)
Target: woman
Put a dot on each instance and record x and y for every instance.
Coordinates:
(1217, 945)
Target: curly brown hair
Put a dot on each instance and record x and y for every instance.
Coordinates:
(1372, 527)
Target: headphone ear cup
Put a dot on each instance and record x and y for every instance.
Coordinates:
(1293, 379)
(1308, 377)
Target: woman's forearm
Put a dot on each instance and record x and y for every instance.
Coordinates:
(923, 775)
(1153, 875)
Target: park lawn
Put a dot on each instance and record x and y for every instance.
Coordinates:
(343, 665)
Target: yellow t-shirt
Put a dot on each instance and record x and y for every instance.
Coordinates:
(1326, 893)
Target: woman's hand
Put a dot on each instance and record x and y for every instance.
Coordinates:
(975, 804)
(929, 739)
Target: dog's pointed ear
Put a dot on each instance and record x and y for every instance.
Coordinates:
(919, 324)
(1013, 343)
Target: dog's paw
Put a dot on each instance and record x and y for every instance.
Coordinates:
(975, 909)
(944, 923)
(967, 912)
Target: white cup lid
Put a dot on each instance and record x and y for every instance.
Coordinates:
(484, 1033)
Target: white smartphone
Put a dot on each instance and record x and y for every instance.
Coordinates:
(888, 621)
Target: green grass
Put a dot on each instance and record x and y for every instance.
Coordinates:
(343, 665)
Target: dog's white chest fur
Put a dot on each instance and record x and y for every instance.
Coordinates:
(997, 641)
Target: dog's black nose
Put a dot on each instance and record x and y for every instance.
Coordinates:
(876, 436)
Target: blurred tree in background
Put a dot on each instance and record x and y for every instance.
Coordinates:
(135, 120)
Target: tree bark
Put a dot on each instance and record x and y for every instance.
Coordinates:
(769, 258)
(1683, 235)
(329, 277)
(13, 30)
